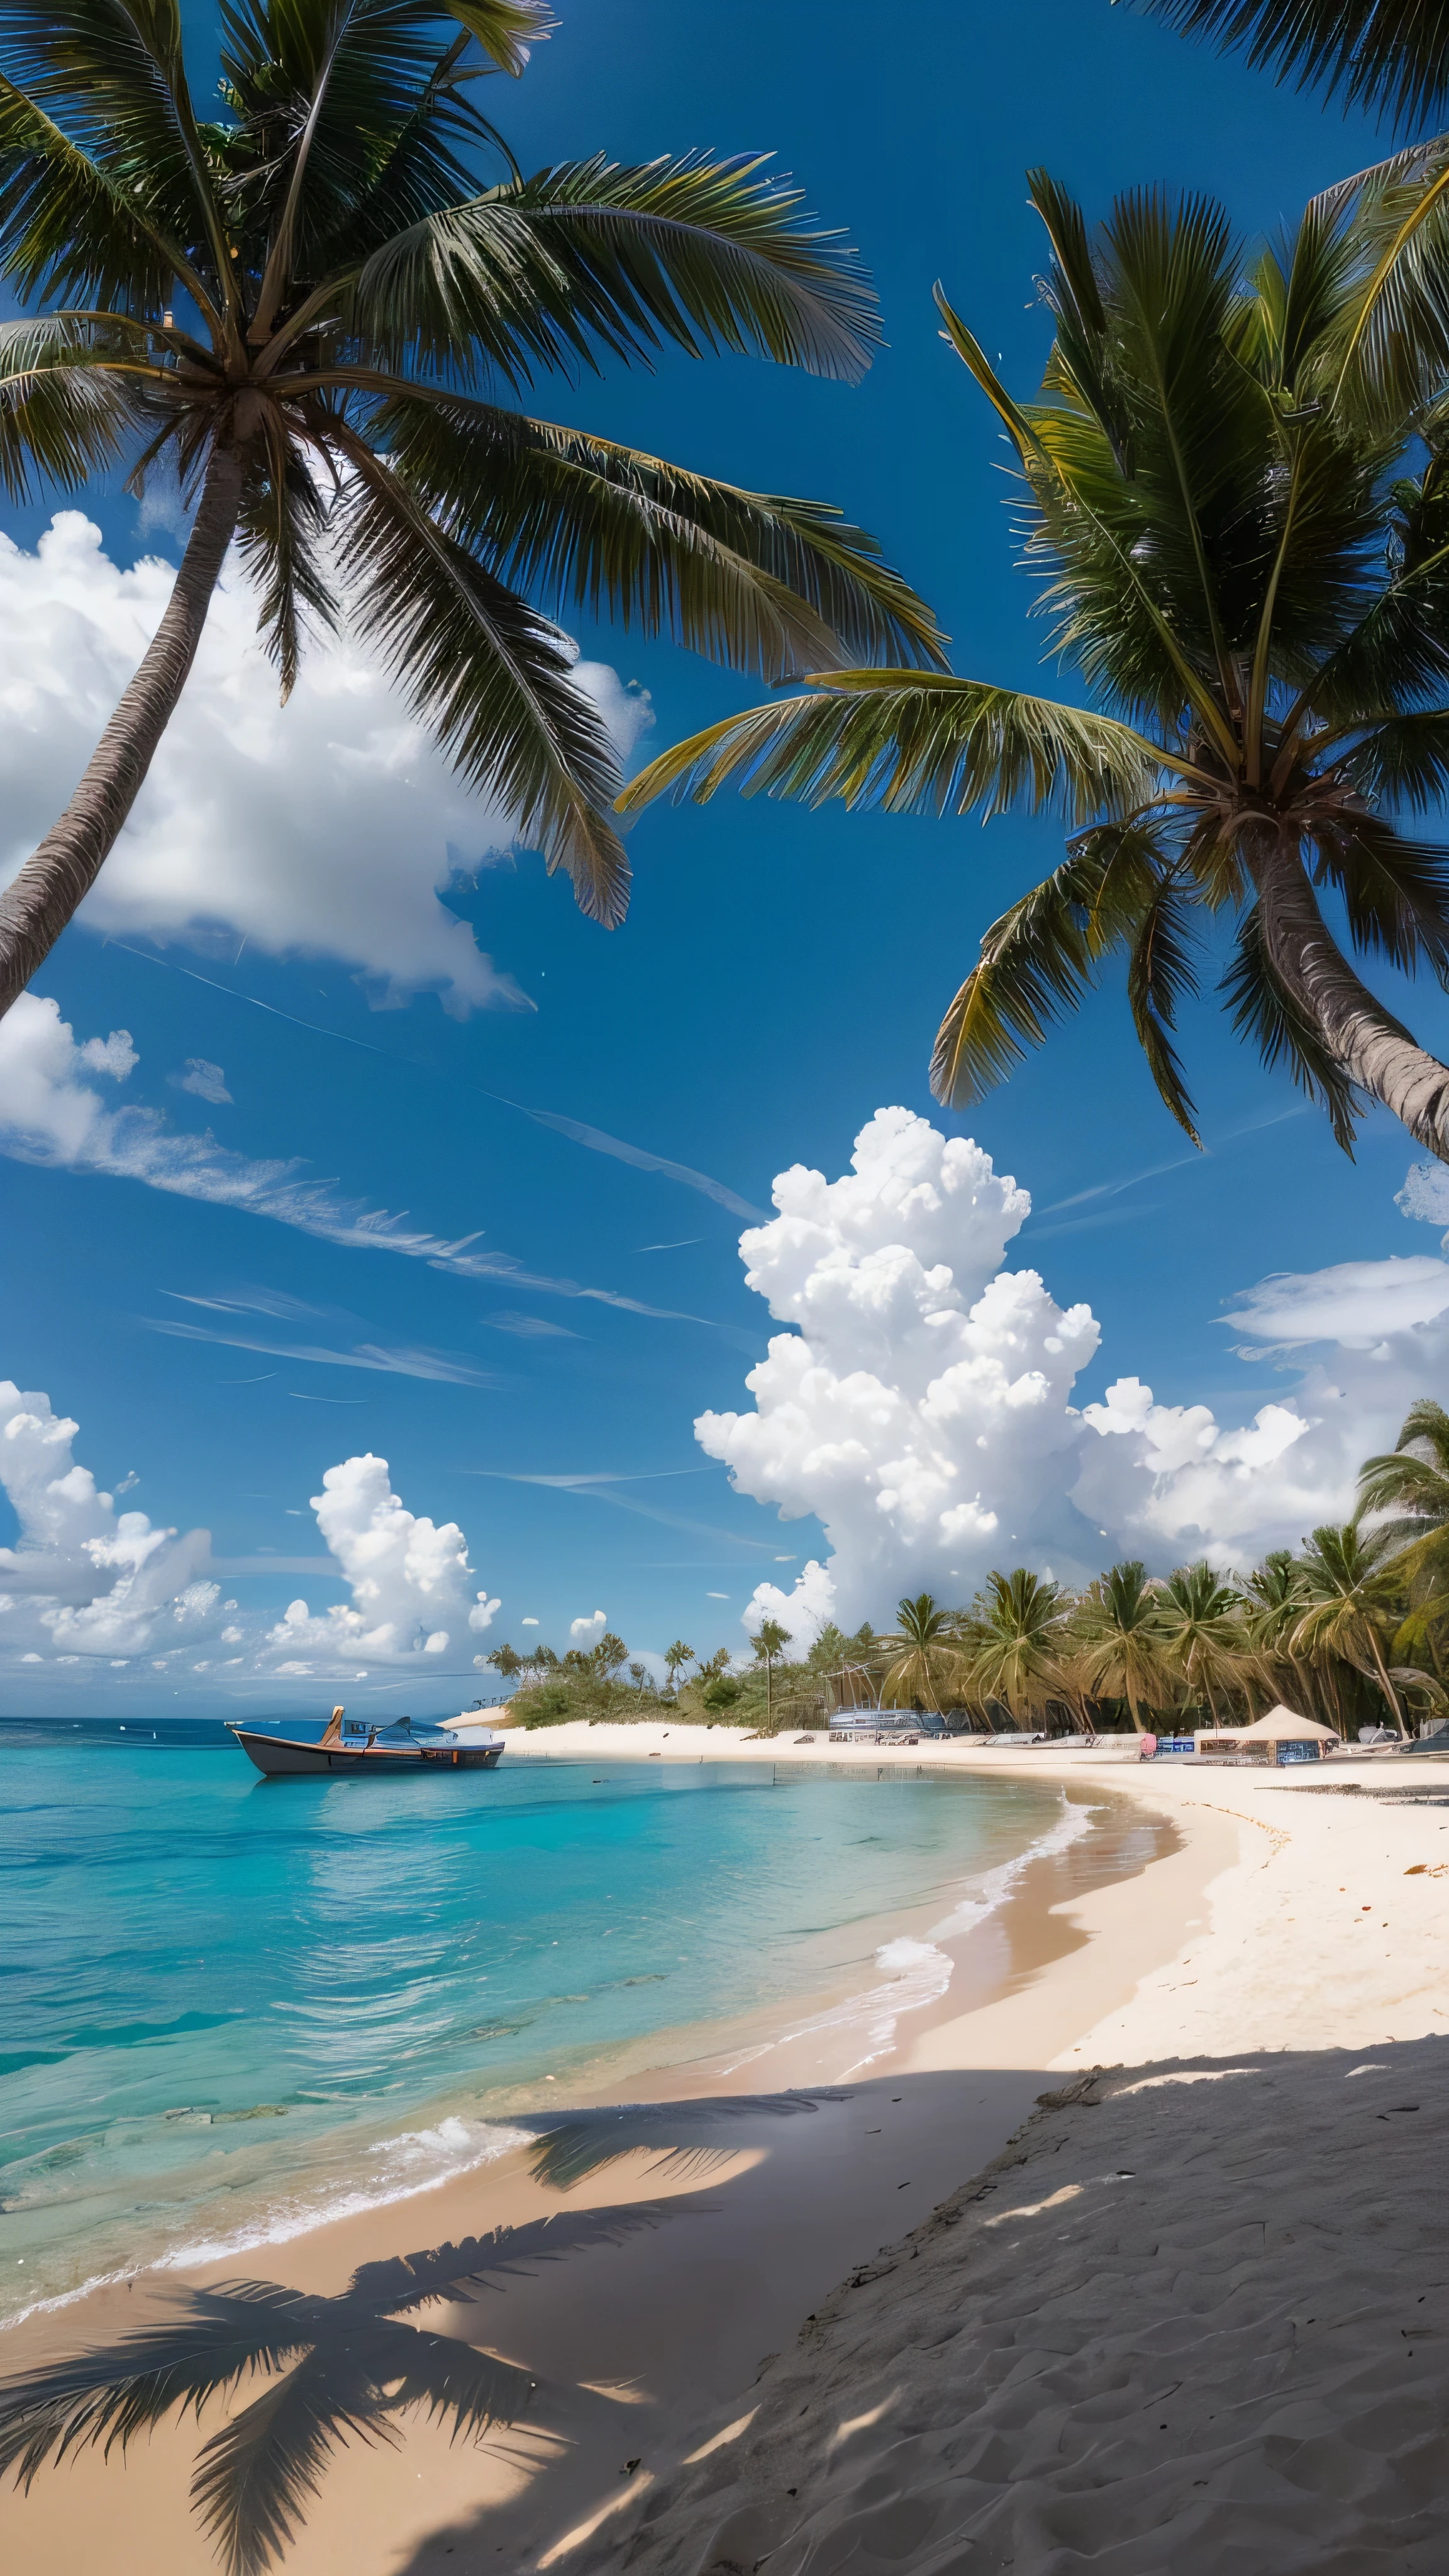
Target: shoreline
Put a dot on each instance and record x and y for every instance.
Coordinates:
(905, 1960)
(1167, 1961)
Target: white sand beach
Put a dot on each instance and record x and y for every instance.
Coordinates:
(1188, 2313)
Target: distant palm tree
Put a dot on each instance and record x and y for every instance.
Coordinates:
(318, 306)
(638, 1675)
(1250, 577)
(1015, 1637)
(1352, 1591)
(333, 2369)
(504, 1660)
(927, 1660)
(1120, 1635)
(1274, 1600)
(675, 1659)
(769, 1641)
(1412, 1484)
(609, 1656)
(1203, 1639)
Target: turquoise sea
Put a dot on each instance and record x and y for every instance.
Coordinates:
(230, 2006)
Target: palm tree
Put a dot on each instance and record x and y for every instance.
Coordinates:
(505, 1660)
(1120, 1636)
(1412, 1483)
(1203, 1639)
(769, 1641)
(926, 1658)
(1016, 1637)
(1252, 580)
(1352, 1590)
(319, 308)
(638, 1675)
(1274, 1600)
(332, 2368)
(676, 1657)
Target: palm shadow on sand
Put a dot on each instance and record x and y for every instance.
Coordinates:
(354, 2366)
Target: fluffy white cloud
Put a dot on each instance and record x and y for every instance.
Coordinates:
(413, 1590)
(922, 1409)
(254, 817)
(87, 1583)
(85, 1579)
(584, 1632)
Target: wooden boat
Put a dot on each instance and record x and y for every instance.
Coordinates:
(356, 1746)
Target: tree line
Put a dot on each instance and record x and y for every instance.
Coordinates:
(1350, 1629)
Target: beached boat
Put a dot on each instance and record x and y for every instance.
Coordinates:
(290, 1748)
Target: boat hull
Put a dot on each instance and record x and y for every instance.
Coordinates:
(282, 1757)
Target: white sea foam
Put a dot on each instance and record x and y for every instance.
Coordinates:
(402, 2168)
(918, 1972)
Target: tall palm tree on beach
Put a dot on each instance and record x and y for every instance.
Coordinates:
(1016, 1636)
(1120, 1635)
(319, 307)
(1352, 1596)
(1274, 1601)
(1202, 1637)
(926, 1660)
(769, 1642)
(1250, 577)
(1410, 1484)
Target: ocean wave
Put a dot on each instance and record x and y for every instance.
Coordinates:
(919, 1972)
(415, 2161)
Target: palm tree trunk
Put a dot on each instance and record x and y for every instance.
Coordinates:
(1385, 1684)
(35, 909)
(1375, 1050)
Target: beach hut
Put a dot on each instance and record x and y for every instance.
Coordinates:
(1281, 1736)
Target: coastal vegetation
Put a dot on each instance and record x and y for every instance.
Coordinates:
(1232, 493)
(1352, 1630)
(316, 308)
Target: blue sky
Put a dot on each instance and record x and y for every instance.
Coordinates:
(780, 976)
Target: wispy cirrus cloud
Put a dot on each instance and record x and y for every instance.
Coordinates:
(444, 1367)
(52, 1113)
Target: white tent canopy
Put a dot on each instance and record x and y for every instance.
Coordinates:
(1284, 1726)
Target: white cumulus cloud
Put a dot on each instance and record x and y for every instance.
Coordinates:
(413, 1590)
(922, 1409)
(324, 829)
(89, 1584)
(585, 1631)
(86, 1579)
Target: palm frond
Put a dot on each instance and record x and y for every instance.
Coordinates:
(928, 744)
(1404, 760)
(112, 76)
(1392, 58)
(754, 580)
(594, 255)
(75, 231)
(64, 412)
(1160, 977)
(1394, 352)
(1395, 891)
(677, 2132)
(1264, 1010)
(489, 677)
(453, 2382)
(1038, 960)
(506, 29)
(280, 529)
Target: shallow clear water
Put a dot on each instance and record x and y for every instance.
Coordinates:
(228, 2005)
